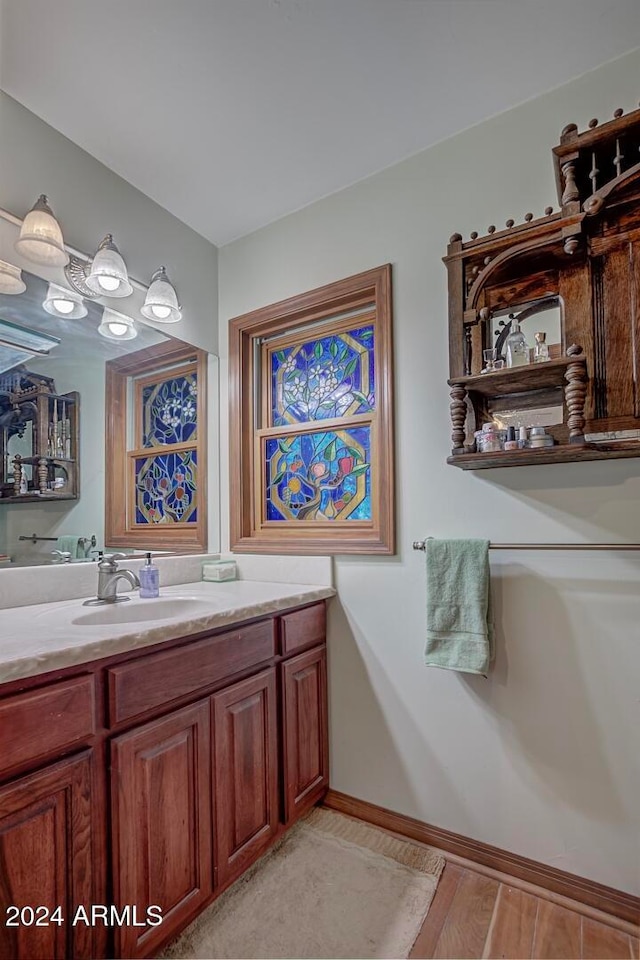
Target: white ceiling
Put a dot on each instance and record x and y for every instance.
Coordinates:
(232, 113)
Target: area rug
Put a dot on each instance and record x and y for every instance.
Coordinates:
(333, 887)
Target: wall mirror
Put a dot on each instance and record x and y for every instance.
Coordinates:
(68, 358)
(543, 315)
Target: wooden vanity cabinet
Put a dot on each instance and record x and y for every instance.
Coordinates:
(245, 773)
(305, 747)
(47, 862)
(185, 761)
(161, 822)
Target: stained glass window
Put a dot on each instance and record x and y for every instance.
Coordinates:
(166, 488)
(320, 379)
(169, 410)
(319, 476)
(311, 421)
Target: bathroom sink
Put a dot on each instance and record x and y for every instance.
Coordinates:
(164, 608)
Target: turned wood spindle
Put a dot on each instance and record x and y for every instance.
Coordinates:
(575, 394)
(593, 173)
(43, 475)
(570, 187)
(468, 350)
(617, 160)
(458, 409)
(17, 474)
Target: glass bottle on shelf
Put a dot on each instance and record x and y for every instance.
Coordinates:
(516, 347)
(541, 350)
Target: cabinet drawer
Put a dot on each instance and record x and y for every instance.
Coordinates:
(159, 678)
(39, 723)
(304, 628)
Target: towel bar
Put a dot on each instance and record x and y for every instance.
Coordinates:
(422, 545)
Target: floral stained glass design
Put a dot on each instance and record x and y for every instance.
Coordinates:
(166, 488)
(319, 476)
(331, 376)
(169, 411)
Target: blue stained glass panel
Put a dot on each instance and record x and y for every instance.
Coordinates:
(319, 476)
(331, 376)
(166, 488)
(169, 411)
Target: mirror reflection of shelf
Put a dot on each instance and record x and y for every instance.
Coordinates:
(39, 440)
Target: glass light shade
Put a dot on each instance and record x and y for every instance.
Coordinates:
(61, 302)
(117, 326)
(108, 275)
(161, 302)
(11, 281)
(40, 237)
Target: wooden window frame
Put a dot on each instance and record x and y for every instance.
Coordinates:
(119, 529)
(248, 532)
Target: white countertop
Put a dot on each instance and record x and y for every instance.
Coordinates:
(48, 636)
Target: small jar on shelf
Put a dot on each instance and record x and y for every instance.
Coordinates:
(541, 350)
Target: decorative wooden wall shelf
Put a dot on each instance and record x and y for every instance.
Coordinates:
(586, 255)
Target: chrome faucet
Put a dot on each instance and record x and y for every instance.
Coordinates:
(108, 577)
(61, 556)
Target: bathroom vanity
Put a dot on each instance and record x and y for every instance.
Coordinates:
(154, 776)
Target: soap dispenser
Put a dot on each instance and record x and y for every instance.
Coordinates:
(149, 576)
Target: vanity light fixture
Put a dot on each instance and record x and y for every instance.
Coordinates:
(161, 302)
(11, 281)
(117, 326)
(108, 274)
(61, 302)
(40, 237)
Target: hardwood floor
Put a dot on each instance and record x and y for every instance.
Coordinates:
(476, 916)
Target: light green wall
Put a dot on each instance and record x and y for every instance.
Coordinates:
(541, 758)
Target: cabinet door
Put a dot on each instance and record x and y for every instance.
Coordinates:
(245, 773)
(161, 808)
(46, 860)
(305, 734)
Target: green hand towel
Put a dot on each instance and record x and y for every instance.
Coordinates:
(459, 627)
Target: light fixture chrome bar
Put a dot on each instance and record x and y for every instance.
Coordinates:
(79, 254)
(76, 273)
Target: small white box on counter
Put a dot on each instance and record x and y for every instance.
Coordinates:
(220, 570)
